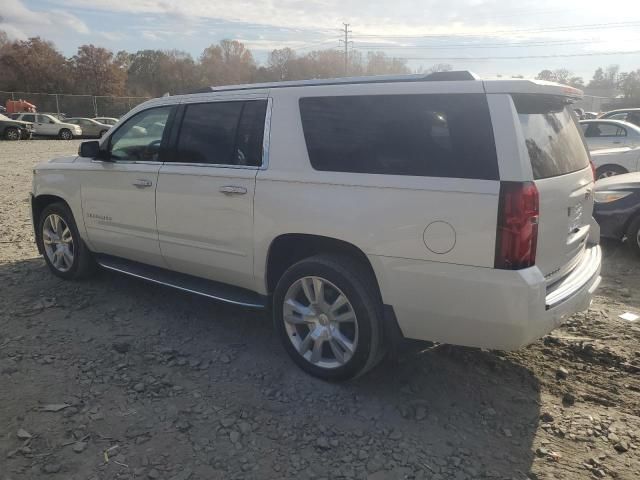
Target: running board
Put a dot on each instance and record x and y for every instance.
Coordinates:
(186, 283)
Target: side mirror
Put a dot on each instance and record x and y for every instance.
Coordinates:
(91, 149)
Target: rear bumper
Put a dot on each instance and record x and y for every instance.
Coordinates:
(483, 307)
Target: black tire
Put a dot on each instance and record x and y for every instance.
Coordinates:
(361, 290)
(12, 133)
(83, 264)
(65, 134)
(609, 171)
(633, 236)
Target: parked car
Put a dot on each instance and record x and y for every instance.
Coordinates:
(590, 115)
(106, 120)
(49, 126)
(624, 114)
(90, 127)
(615, 161)
(605, 134)
(359, 210)
(617, 208)
(14, 129)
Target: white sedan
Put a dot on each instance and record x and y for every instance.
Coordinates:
(616, 161)
(610, 134)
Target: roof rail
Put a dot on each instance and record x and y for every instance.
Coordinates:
(461, 75)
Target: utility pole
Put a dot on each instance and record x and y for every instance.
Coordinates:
(346, 41)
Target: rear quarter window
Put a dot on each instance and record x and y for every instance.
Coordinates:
(551, 134)
(419, 135)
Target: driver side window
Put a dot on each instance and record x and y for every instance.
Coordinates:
(139, 138)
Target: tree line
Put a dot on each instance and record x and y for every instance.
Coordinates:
(36, 65)
(609, 78)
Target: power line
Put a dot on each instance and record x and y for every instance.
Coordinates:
(311, 45)
(474, 45)
(565, 28)
(472, 59)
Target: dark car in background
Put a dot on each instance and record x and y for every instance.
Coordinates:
(617, 208)
(15, 129)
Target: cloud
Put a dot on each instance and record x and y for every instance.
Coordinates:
(20, 22)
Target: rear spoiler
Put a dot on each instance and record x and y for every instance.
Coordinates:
(538, 87)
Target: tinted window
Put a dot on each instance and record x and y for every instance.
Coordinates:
(605, 130)
(250, 134)
(208, 132)
(551, 134)
(424, 135)
(139, 138)
(28, 118)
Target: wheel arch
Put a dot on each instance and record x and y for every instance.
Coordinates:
(289, 248)
(38, 204)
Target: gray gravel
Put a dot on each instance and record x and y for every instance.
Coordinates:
(114, 378)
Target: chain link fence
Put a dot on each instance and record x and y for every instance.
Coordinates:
(75, 105)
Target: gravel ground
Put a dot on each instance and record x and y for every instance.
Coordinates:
(118, 379)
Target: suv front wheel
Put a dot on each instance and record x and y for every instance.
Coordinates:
(64, 251)
(328, 314)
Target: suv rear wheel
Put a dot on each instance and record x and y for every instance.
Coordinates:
(328, 314)
(64, 251)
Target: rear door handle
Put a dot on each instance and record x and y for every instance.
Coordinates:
(233, 190)
(142, 183)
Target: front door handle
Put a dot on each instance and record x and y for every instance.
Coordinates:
(142, 183)
(233, 190)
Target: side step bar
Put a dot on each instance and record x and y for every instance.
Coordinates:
(186, 283)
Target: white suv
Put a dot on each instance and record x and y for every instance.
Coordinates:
(442, 208)
(49, 126)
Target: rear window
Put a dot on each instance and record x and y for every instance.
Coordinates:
(551, 134)
(420, 135)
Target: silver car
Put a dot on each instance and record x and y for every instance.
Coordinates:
(106, 120)
(90, 127)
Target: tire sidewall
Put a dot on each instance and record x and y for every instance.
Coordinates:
(632, 235)
(610, 168)
(364, 308)
(64, 212)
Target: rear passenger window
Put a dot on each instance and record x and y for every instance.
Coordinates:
(422, 135)
(551, 135)
(222, 133)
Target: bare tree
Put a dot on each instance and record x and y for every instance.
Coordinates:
(96, 72)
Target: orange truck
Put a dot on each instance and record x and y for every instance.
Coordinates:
(19, 106)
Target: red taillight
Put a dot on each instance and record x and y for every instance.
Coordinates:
(517, 234)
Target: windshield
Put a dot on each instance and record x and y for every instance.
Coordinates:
(552, 136)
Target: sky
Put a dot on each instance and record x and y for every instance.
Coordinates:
(489, 37)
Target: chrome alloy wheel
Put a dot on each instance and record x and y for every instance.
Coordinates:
(58, 242)
(320, 322)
